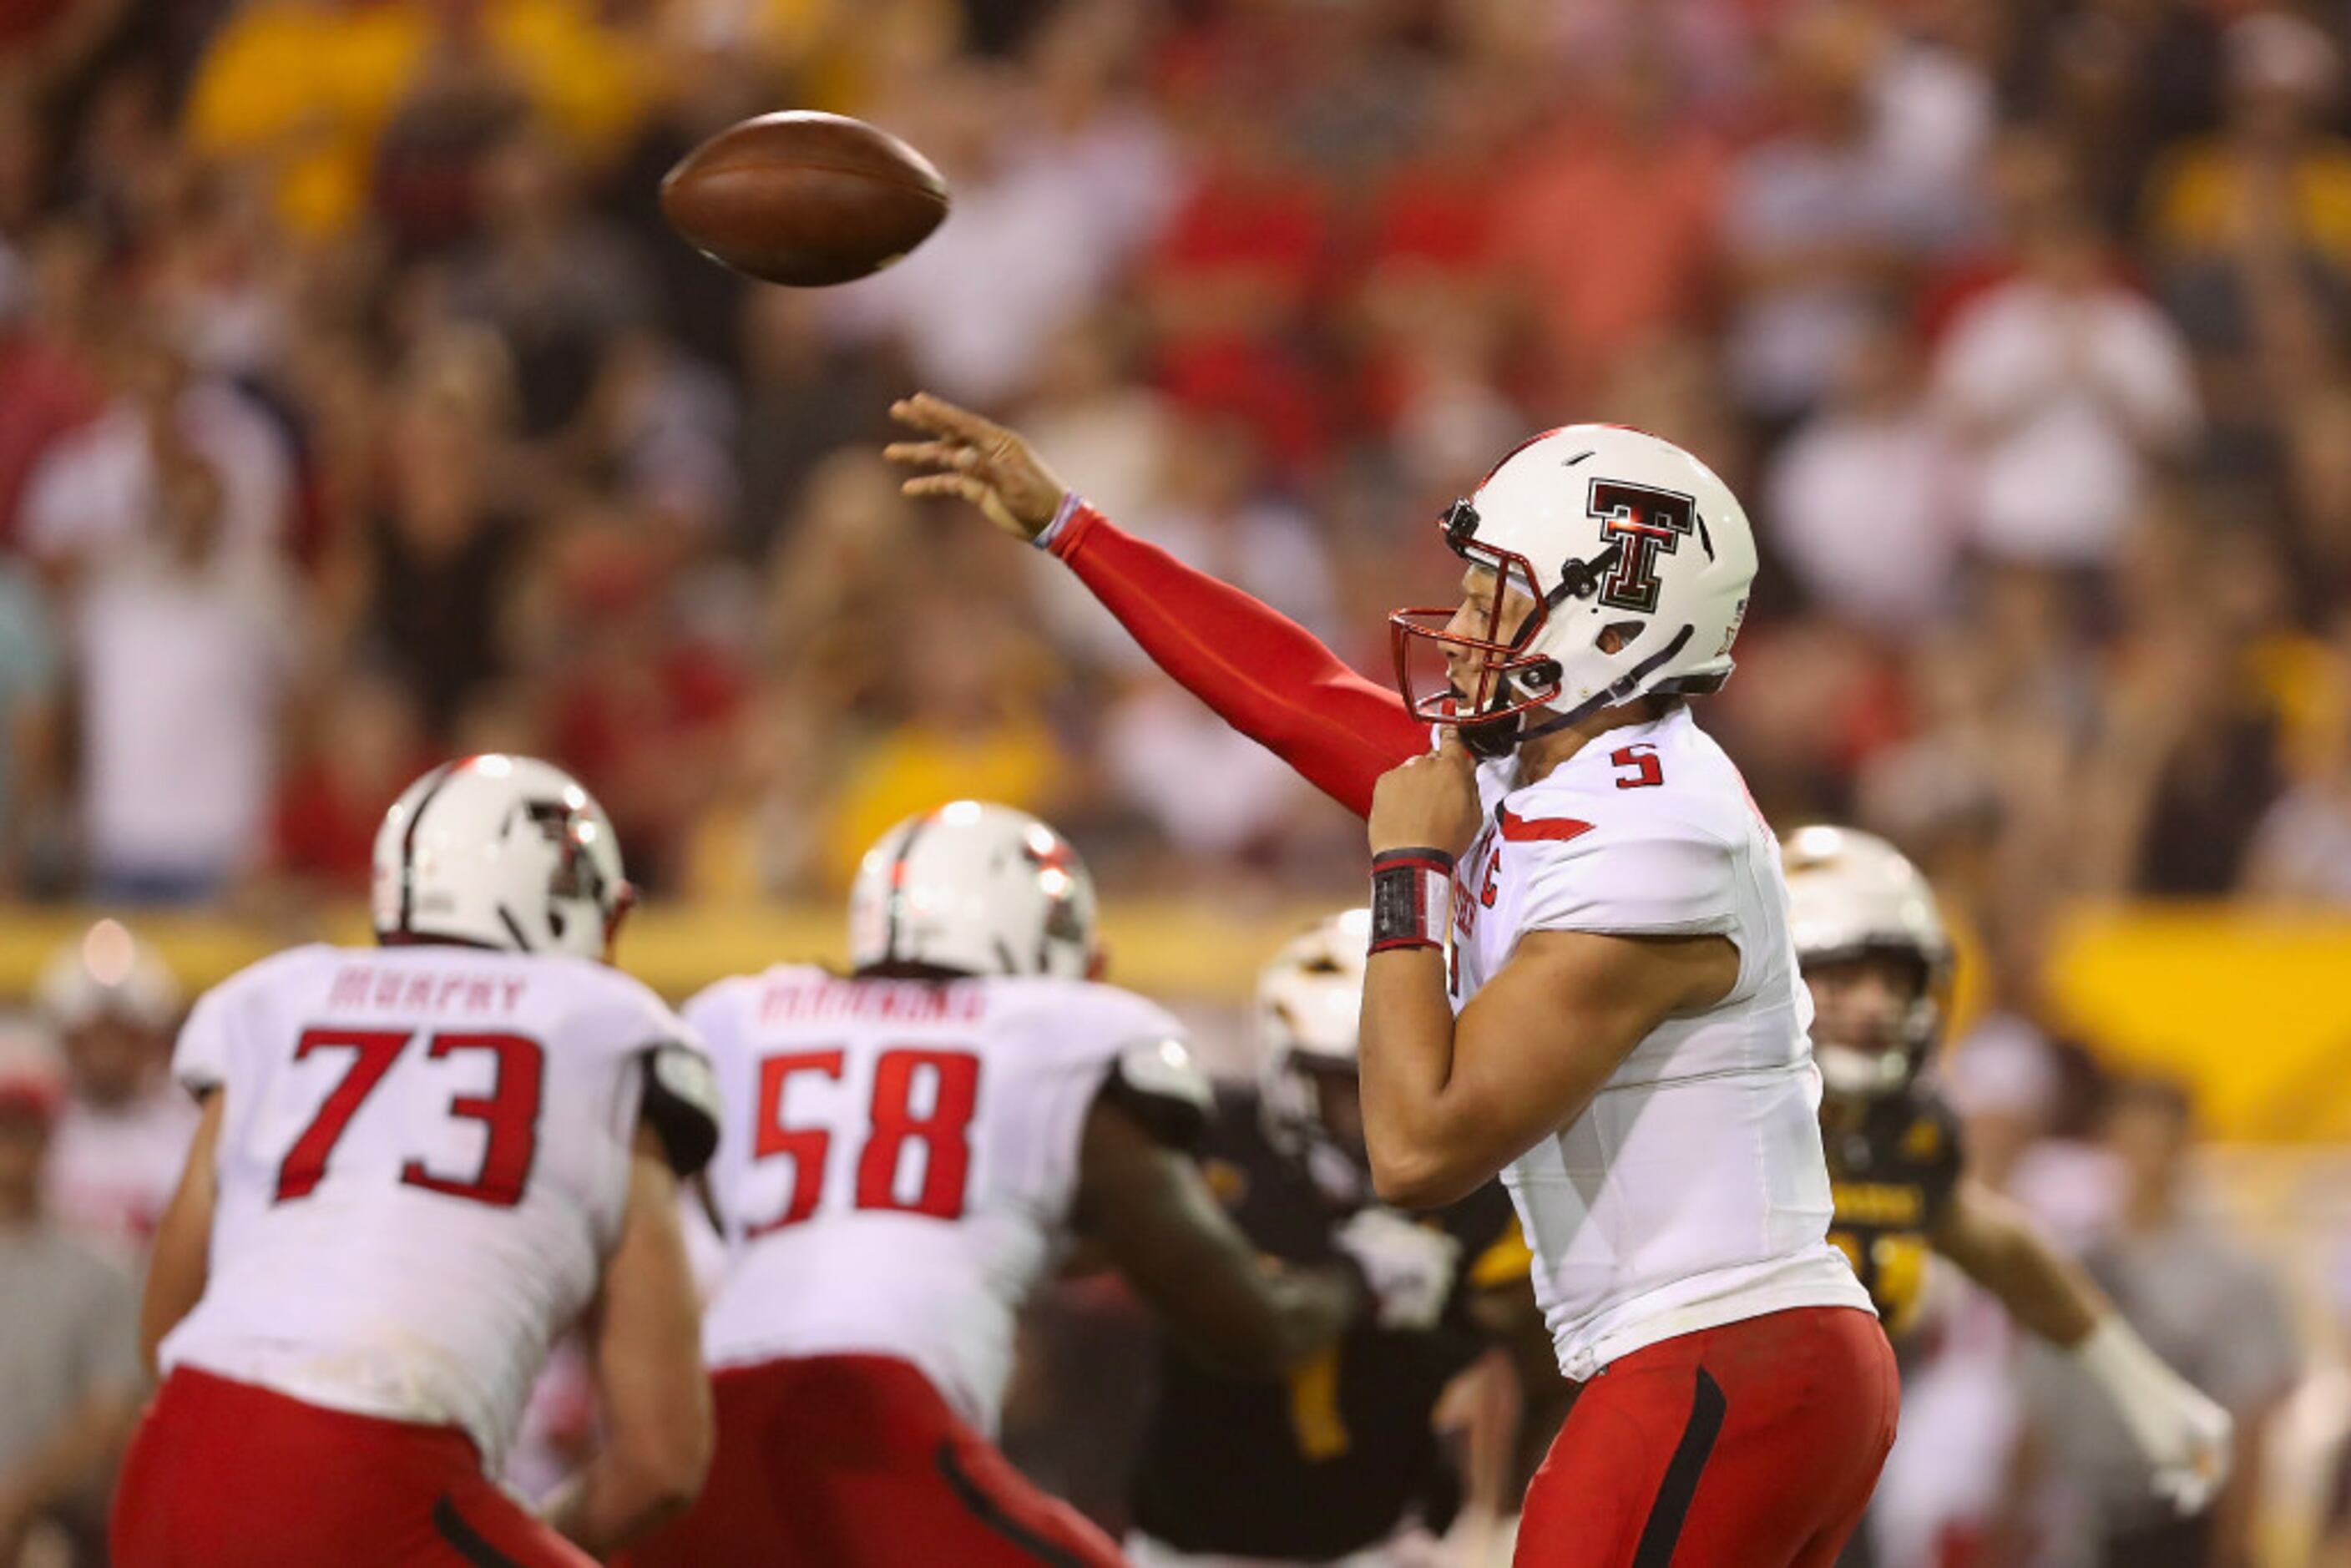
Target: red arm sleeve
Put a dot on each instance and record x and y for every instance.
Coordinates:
(1263, 674)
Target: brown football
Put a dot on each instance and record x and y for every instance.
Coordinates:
(804, 198)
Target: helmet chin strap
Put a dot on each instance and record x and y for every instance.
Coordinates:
(1500, 736)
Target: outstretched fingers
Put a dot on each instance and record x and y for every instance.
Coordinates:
(932, 454)
(937, 416)
(958, 486)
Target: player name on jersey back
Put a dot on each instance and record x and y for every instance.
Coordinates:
(423, 1162)
(1692, 1191)
(898, 1160)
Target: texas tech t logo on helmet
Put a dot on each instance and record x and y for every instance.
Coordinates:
(1643, 524)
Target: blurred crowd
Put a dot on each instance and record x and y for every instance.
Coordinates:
(355, 408)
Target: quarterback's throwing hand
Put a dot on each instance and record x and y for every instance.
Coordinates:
(977, 460)
(1428, 803)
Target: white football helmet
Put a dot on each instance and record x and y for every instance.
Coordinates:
(107, 971)
(977, 888)
(1604, 529)
(499, 852)
(1850, 894)
(1310, 1003)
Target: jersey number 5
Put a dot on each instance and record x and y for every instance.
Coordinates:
(509, 1112)
(1638, 763)
(941, 1129)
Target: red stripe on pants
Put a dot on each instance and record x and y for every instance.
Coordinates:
(228, 1475)
(1806, 1407)
(855, 1461)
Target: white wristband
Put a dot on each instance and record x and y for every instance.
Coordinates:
(1053, 530)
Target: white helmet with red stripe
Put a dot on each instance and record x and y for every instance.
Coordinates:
(499, 852)
(974, 888)
(1637, 560)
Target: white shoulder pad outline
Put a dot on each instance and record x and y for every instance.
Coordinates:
(1164, 1069)
(682, 1102)
(1157, 1078)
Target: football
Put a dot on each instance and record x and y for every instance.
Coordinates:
(804, 199)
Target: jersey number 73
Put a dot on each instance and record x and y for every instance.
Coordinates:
(509, 1112)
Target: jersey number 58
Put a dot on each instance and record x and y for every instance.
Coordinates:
(941, 1130)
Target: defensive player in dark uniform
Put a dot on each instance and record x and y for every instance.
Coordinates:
(1877, 960)
(1340, 1463)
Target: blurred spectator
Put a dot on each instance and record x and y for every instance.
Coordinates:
(804, 397)
(70, 1382)
(555, 280)
(1091, 125)
(2301, 849)
(2210, 1308)
(121, 1133)
(2186, 757)
(640, 707)
(977, 304)
(46, 390)
(2064, 391)
(1624, 161)
(1859, 502)
(837, 575)
(2019, 1106)
(99, 492)
(2317, 482)
(968, 725)
(436, 569)
(368, 743)
(2253, 227)
(1822, 221)
(24, 158)
(659, 429)
(304, 87)
(219, 283)
(1110, 432)
(30, 738)
(1935, 102)
(2117, 85)
(185, 647)
(1232, 282)
(2333, 1547)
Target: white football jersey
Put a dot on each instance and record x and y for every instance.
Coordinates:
(112, 1170)
(898, 1158)
(1693, 1192)
(422, 1167)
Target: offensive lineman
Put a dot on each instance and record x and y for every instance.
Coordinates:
(416, 1165)
(1612, 1016)
(1877, 961)
(906, 1152)
(1340, 1463)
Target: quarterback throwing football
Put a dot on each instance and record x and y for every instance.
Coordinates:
(1581, 972)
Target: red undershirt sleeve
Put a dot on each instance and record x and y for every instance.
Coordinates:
(1262, 672)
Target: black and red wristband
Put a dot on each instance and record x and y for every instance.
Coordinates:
(1412, 890)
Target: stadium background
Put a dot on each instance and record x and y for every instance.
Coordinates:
(355, 409)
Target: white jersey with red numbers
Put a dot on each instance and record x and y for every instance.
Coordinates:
(111, 1169)
(423, 1166)
(899, 1158)
(1693, 1192)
